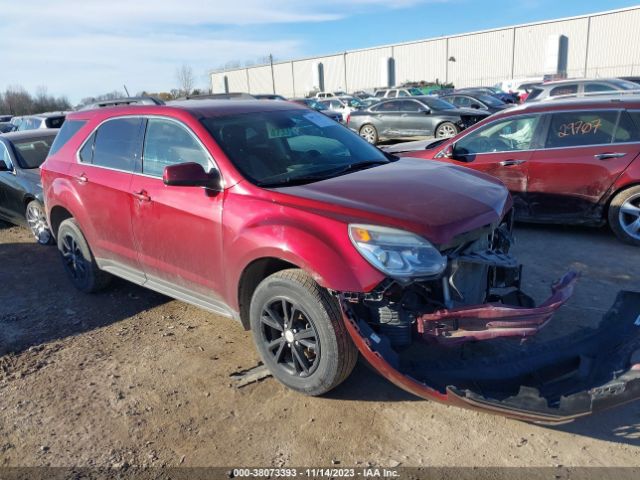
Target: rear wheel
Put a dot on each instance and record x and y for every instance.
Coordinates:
(299, 332)
(78, 260)
(446, 130)
(37, 221)
(369, 133)
(624, 215)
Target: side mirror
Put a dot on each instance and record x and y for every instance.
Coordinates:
(427, 111)
(191, 175)
(449, 151)
(476, 106)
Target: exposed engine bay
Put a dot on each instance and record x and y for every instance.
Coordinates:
(465, 337)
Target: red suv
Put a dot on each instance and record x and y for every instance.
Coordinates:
(322, 245)
(568, 162)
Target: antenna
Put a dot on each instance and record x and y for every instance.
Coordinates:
(125, 89)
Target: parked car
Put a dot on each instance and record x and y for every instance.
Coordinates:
(478, 101)
(362, 95)
(21, 201)
(269, 96)
(40, 121)
(6, 127)
(343, 105)
(493, 91)
(319, 107)
(5, 118)
(338, 93)
(324, 246)
(398, 92)
(569, 162)
(581, 88)
(412, 117)
(631, 79)
(367, 102)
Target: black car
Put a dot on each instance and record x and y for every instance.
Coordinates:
(320, 107)
(479, 101)
(412, 117)
(493, 91)
(21, 202)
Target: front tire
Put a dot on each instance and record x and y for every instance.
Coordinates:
(299, 332)
(37, 221)
(369, 133)
(77, 259)
(624, 215)
(446, 130)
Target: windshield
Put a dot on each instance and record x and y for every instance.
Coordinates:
(437, 103)
(281, 148)
(32, 153)
(315, 105)
(491, 101)
(415, 91)
(625, 85)
(353, 102)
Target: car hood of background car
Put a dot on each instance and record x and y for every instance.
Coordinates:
(434, 200)
(462, 111)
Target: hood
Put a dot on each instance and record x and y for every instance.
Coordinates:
(432, 199)
(463, 111)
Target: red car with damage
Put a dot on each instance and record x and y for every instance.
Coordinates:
(573, 161)
(323, 246)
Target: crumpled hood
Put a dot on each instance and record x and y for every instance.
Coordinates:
(434, 200)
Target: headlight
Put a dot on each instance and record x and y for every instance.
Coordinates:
(397, 253)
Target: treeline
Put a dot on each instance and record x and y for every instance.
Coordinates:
(17, 101)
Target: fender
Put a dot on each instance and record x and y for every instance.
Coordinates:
(67, 197)
(322, 252)
(628, 178)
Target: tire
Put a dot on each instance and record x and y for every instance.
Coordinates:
(77, 259)
(320, 340)
(624, 215)
(369, 133)
(446, 130)
(37, 221)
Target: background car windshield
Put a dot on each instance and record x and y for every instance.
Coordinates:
(32, 153)
(437, 104)
(284, 146)
(317, 105)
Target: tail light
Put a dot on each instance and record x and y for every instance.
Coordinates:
(348, 118)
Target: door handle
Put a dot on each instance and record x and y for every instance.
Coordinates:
(607, 156)
(511, 163)
(142, 195)
(82, 178)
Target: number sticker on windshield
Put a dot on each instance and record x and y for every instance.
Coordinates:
(283, 132)
(579, 128)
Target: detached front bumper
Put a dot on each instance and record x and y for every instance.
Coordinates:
(549, 382)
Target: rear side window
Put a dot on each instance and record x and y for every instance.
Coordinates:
(117, 143)
(54, 122)
(627, 131)
(597, 87)
(68, 130)
(577, 129)
(564, 90)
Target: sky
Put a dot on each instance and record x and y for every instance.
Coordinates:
(82, 48)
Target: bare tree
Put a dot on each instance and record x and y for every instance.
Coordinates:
(186, 79)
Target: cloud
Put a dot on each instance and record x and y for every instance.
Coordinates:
(87, 47)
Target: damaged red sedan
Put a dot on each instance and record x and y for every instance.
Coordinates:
(323, 246)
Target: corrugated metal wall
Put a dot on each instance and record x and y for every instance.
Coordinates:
(600, 45)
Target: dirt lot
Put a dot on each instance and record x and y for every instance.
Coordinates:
(131, 377)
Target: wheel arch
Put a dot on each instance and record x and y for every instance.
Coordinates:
(57, 215)
(614, 194)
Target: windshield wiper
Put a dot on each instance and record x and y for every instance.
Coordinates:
(301, 180)
(354, 167)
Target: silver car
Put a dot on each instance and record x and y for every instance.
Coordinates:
(581, 88)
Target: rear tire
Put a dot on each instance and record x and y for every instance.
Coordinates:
(299, 332)
(446, 130)
(369, 133)
(37, 221)
(77, 259)
(624, 215)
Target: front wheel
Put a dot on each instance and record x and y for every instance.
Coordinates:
(446, 130)
(299, 332)
(624, 215)
(37, 221)
(369, 133)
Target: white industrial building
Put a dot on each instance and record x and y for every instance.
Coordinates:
(597, 45)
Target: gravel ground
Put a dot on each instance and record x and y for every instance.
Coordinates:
(130, 377)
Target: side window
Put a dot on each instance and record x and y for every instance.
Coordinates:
(389, 106)
(117, 143)
(4, 156)
(504, 136)
(576, 129)
(86, 152)
(462, 101)
(168, 143)
(627, 131)
(410, 106)
(597, 87)
(564, 90)
(380, 94)
(403, 93)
